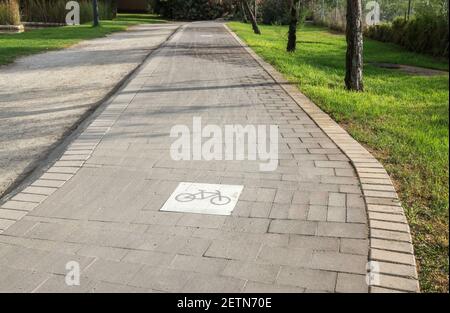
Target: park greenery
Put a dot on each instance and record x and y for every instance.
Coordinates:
(401, 118)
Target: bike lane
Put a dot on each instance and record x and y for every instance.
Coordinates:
(299, 228)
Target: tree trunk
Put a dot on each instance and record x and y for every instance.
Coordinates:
(354, 34)
(95, 10)
(244, 14)
(252, 17)
(292, 37)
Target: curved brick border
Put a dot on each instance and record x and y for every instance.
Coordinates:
(393, 265)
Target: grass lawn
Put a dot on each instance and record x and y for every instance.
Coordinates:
(39, 40)
(403, 119)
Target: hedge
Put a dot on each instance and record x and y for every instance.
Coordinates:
(424, 34)
(191, 9)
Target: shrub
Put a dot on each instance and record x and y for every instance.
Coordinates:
(423, 33)
(191, 9)
(54, 11)
(9, 12)
(275, 11)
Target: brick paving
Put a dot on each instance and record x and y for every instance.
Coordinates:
(301, 228)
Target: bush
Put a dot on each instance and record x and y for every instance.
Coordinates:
(54, 11)
(190, 9)
(275, 11)
(9, 12)
(423, 33)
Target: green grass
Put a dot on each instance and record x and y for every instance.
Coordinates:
(403, 119)
(40, 40)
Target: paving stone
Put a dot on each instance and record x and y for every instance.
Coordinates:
(19, 205)
(339, 262)
(390, 235)
(342, 230)
(6, 214)
(113, 272)
(398, 218)
(40, 190)
(391, 245)
(355, 246)
(255, 287)
(4, 224)
(202, 283)
(375, 289)
(201, 220)
(104, 287)
(285, 256)
(206, 265)
(153, 258)
(317, 213)
(57, 284)
(307, 278)
(283, 196)
(162, 279)
(314, 243)
(19, 228)
(57, 176)
(264, 273)
(396, 269)
(293, 227)
(337, 199)
(241, 224)
(400, 227)
(48, 183)
(107, 253)
(336, 214)
(389, 256)
(19, 281)
(397, 283)
(233, 250)
(350, 283)
(27, 197)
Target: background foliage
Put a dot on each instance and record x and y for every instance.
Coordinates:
(54, 11)
(9, 12)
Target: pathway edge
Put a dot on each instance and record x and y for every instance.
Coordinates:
(391, 254)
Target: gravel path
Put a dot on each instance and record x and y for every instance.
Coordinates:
(44, 96)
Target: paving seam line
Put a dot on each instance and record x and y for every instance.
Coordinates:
(73, 150)
(391, 253)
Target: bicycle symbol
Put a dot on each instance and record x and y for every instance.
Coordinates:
(216, 197)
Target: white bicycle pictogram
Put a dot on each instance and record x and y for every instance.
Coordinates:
(216, 197)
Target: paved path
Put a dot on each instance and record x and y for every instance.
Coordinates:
(43, 96)
(300, 228)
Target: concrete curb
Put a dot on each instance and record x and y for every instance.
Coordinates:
(391, 254)
(72, 152)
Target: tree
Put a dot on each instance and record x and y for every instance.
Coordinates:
(292, 36)
(95, 11)
(354, 34)
(251, 16)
